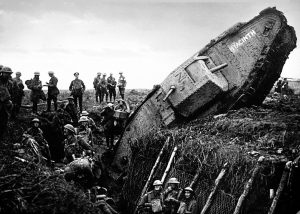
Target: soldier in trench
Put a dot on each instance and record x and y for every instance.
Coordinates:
(152, 202)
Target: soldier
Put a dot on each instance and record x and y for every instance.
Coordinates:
(71, 110)
(188, 203)
(285, 87)
(121, 85)
(77, 88)
(96, 82)
(35, 85)
(74, 146)
(153, 201)
(18, 93)
(171, 195)
(92, 124)
(6, 105)
(103, 88)
(37, 134)
(84, 131)
(52, 91)
(111, 85)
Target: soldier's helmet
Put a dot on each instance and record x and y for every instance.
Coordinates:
(36, 73)
(18, 73)
(6, 70)
(35, 120)
(157, 183)
(83, 119)
(69, 127)
(98, 73)
(173, 181)
(110, 105)
(188, 189)
(50, 72)
(84, 113)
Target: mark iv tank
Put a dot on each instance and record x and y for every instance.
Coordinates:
(236, 69)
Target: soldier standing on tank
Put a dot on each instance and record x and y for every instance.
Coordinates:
(6, 105)
(152, 201)
(96, 82)
(121, 85)
(111, 85)
(77, 88)
(18, 93)
(171, 196)
(103, 88)
(52, 91)
(37, 93)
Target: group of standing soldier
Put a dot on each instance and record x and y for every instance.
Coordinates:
(105, 87)
(172, 200)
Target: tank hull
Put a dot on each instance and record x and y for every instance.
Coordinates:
(236, 69)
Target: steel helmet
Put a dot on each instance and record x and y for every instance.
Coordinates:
(110, 105)
(84, 113)
(18, 73)
(189, 189)
(36, 73)
(35, 120)
(173, 181)
(83, 119)
(157, 183)
(70, 127)
(6, 70)
(98, 73)
(50, 72)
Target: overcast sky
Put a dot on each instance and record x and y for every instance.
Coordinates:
(144, 39)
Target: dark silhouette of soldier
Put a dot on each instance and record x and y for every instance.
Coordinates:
(52, 91)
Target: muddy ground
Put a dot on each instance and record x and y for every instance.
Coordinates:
(271, 130)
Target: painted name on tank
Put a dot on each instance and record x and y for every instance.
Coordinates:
(235, 45)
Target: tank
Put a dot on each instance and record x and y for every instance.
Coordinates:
(236, 69)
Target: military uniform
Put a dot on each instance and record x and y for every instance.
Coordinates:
(77, 88)
(111, 85)
(74, 145)
(86, 134)
(150, 198)
(35, 85)
(6, 105)
(18, 94)
(38, 136)
(121, 86)
(103, 88)
(52, 93)
(72, 111)
(97, 88)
